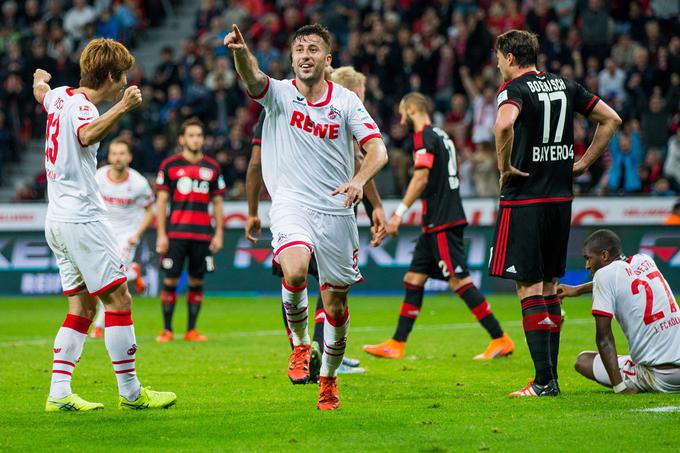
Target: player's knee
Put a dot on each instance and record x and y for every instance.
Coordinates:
(336, 307)
(193, 281)
(412, 278)
(456, 283)
(296, 276)
(582, 363)
(170, 281)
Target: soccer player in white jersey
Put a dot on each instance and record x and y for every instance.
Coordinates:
(307, 163)
(633, 291)
(76, 228)
(128, 199)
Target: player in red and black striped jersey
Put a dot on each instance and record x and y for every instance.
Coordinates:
(190, 181)
(535, 146)
(440, 249)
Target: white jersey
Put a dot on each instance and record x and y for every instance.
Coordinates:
(635, 292)
(308, 149)
(126, 201)
(71, 189)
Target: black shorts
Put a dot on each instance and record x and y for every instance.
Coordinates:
(441, 255)
(200, 258)
(313, 269)
(530, 242)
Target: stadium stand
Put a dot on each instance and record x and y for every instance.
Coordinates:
(626, 51)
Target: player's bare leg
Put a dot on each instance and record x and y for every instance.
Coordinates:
(414, 287)
(194, 302)
(335, 340)
(98, 324)
(294, 263)
(121, 345)
(68, 346)
(537, 325)
(168, 302)
(501, 344)
(553, 306)
(584, 364)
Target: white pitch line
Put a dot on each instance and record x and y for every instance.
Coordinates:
(271, 333)
(658, 409)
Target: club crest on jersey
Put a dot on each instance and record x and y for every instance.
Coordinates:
(333, 113)
(205, 173)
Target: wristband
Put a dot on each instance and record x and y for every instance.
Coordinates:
(401, 210)
(620, 387)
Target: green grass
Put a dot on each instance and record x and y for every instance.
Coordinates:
(234, 395)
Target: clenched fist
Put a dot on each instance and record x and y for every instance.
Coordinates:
(40, 75)
(132, 98)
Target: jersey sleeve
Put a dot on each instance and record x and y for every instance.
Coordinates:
(584, 100)
(510, 94)
(217, 185)
(47, 100)
(360, 122)
(604, 292)
(257, 130)
(423, 153)
(162, 178)
(145, 197)
(271, 95)
(82, 112)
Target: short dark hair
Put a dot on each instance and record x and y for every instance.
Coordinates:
(121, 141)
(191, 122)
(523, 45)
(313, 29)
(602, 240)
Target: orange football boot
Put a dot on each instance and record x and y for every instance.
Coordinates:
(140, 284)
(390, 349)
(165, 337)
(500, 347)
(195, 335)
(298, 364)
(328, 394)
(97, 332)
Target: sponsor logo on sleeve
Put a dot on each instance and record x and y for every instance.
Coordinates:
(160, 178)
(220, 183)
(503, 96)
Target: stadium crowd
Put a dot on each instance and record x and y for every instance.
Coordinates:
(628, 52)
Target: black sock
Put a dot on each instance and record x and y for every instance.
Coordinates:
(285, 324)
(410, 309)
(479, 307)
(554, 308)
(194, 302)
(537, 332)
(168, 300)
(319, 317)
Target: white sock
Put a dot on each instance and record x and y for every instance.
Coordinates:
(119, 338)
(99, 319)
(295, 304)
(334, 342)
(68, 346)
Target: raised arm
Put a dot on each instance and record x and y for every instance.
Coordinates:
(608, 121)
(245, 63)
(95, 131)
(40, 86)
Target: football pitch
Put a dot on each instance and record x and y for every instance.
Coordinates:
(234, 394)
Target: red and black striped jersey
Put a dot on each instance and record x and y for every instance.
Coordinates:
(442, 206)
(191, 187)
(543, 144)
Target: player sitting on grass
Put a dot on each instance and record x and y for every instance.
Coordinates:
(76, 228)
(440, 250)
(634, 292)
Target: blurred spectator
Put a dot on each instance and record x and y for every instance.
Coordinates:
(651, 171)
(671, 168)
(623, 52)
(485, 170)
(78, 17)
(627, 156)
(596, 30)
(612, 84)
(483, 108)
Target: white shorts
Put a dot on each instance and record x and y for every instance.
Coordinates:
(86, 255)
(333, 239)
(642, 378)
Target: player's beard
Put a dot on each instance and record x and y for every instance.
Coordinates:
(317, 75)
